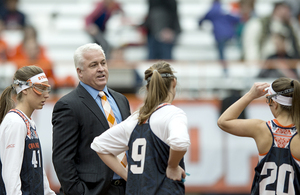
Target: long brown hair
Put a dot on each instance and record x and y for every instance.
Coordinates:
(6, 101)
(159, 78)
(282, 84)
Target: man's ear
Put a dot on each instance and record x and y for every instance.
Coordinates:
(79, 72)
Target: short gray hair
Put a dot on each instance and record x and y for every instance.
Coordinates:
(78, 54)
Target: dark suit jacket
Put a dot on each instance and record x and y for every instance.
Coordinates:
(77, 120)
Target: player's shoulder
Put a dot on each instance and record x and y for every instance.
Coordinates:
(172, 109)
(12, 119)
(175, 108)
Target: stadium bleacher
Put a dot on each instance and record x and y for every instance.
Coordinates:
(61, 25)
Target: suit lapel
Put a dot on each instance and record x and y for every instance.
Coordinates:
(119, 102)
(91, 104)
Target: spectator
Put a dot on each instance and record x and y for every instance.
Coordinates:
(257, 35)
(13, 18)
(281, 64)
(223, 27)
(162, 26)
(2, 7)
(245, 10)
(29, 33)
(30, 52)
(96, 22)
(3, 45)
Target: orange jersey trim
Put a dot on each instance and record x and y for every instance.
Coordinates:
(288, 126)
(263, 154)
(25, 120)
(295, 157)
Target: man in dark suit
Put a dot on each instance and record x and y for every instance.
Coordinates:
(77, 119)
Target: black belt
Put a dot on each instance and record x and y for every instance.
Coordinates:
(118, 182)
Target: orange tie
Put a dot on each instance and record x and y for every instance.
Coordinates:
(111, 121)
(107, 109)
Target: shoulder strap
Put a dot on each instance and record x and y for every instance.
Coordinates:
(27, 123)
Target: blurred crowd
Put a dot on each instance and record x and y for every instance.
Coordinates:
(29, 51)
(273, 38)
(256, 36)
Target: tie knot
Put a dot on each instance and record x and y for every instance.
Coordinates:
(102, 95)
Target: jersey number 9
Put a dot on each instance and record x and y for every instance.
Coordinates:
(138, 155)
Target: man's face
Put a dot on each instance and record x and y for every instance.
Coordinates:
(94, 71)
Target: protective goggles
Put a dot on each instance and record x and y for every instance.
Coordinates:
(38, 88)
(269, 99)
(41, 88)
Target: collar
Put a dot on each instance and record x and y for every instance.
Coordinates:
(94, 92)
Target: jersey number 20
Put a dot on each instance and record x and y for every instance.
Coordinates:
(285, 172)
(138, 155)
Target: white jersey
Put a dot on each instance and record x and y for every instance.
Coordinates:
(13, 132)
(168, 123)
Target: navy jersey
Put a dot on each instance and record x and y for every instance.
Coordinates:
(278, 173)
(32, 169)
(2, 188)
(147, 163)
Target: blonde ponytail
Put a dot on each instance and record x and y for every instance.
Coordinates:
(6, 102)
(159, 78)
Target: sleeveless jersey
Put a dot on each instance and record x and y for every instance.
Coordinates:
(147, 163)
(278, 173)
(32, 168)
(2, 187)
